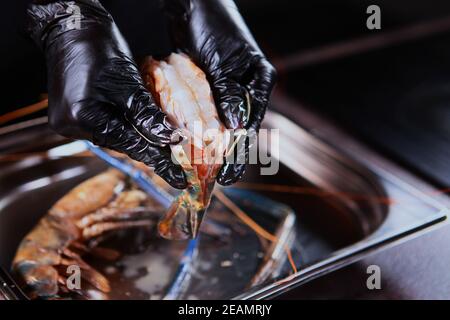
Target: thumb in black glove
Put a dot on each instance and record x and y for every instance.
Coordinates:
(95, 90)
(214, 35)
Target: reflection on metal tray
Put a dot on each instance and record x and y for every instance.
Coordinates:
(343, 206)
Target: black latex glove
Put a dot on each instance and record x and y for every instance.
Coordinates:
(95, 89)
(214, 35)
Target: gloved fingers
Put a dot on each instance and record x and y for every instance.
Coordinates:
(259, 87)
(231, 103)
(147, 119)
(242, 87)
(49, 19)
(226, 69)
(95, 89)
(121, 137)
(106, 128)
(234, 166)
(237, 159)
(120, 83)
(230, 174)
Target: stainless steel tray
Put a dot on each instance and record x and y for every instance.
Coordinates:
(343, 207)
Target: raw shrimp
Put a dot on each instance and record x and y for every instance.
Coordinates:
(184, 94)
(103, 203)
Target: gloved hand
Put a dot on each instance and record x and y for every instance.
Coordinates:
(95, 89)
(214, 35)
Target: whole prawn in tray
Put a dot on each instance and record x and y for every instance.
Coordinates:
(73, 226)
